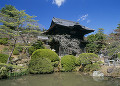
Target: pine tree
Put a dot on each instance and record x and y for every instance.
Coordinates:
(13, 19)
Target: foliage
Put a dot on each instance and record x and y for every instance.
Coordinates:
(3, 41)
(19, 48)
(117, 33)
(46, 53)
(86, 58)
(118, 55)
(92, 67)
(96, 42)
(12, 21)
(88, 61)
(112, 48)
(3, 58)
(38, 45)
(68, 62)
(31, 50)
(40, 65)
(35, 46)
(8, 70)
(11, 17)
(55, 64)
(15, 52)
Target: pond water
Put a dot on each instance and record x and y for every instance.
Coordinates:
(60, 79)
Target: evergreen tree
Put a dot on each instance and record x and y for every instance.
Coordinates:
(96, 42)
(13, 19)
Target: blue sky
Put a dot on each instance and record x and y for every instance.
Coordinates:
(90, 13)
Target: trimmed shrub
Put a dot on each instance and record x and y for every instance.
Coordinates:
(40, 66)
(3, 58)
(15, 52)
(92, 67)
(86, 58)
(46, 53)
(68, 63)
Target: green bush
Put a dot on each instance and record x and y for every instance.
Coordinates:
(55, 64)
(35, 46)
(46, 53)
(118, 55)
(68, 63)
(3, 73)
(92, 67)
(3, 41)
(3, 58)
(15, 52)
(9, 70)
(40, 65)
(114, 46)
(19, 48)
(86, 58)
(89, 61)
(38, 45)
(31, 50)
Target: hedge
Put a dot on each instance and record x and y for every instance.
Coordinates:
(46, 53)
(68, 63)
(40, 66)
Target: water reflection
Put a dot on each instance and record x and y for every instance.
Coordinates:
(60, 79)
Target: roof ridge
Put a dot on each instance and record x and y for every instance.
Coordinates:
(66, 20)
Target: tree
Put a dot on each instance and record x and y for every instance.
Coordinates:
(15, 20)
(96, 42)
(117, 33)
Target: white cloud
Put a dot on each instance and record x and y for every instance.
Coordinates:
(83, 18)
(88, 21)
(58, 2)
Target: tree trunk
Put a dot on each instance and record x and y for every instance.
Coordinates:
(8, 61)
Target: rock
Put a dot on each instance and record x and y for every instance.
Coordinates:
(15, 59)
(97, 73)
(21, 65)
(110, 70)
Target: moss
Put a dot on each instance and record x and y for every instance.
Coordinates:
(46, 53)
(3, 58)
(40, 65)
(68, 63)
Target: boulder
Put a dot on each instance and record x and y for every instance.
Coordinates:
(97, 73)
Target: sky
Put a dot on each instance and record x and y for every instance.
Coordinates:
(93, 14)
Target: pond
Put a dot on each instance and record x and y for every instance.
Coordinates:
(60, 79)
